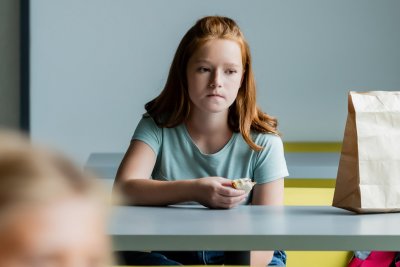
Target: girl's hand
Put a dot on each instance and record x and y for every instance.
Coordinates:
(217, 192)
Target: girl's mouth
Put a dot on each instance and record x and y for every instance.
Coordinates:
(215, 95)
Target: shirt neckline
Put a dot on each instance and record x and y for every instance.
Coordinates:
(193, 144)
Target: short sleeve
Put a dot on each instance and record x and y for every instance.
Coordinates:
(270, 164)
(148, 132)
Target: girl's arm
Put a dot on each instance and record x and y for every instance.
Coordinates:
(266, 194)
(133, 181)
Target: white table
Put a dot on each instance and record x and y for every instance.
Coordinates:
(252, 228)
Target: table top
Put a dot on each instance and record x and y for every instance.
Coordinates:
(252, 228)
(300, 165)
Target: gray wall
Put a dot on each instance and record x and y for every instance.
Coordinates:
(95, 63)
(9, 64)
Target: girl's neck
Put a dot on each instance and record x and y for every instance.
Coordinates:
(209, 132)
(208, 124)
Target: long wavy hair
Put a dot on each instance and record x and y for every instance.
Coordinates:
(172, 106)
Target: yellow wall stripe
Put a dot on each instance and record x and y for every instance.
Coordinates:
(312, 146)
(310, 183)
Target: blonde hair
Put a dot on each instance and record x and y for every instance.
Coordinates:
(31, 174)
(172, 106)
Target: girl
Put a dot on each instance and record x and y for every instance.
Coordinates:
(51, 214)
(202, 131)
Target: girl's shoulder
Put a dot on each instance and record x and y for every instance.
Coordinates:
(147, 127)
(270, 142)
(267, 140)
(148, 121)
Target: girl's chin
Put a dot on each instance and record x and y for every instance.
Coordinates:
(212, 108)
(216, 110)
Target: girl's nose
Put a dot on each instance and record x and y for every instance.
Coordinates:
(215, 80)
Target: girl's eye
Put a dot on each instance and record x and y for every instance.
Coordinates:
(231, 71)
(203, 69)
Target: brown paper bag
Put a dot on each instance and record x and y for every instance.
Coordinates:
(368, 178)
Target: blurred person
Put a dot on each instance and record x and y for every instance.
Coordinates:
(51, 212)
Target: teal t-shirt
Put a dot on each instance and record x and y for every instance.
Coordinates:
(178, 158)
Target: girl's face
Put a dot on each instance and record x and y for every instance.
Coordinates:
(214, 75)
(68, 233)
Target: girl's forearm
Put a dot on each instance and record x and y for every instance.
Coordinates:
(260, 258)
(157, 193)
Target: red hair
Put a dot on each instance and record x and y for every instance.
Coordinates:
(172, 106)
